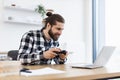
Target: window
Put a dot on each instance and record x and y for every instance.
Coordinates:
(106, 27)
(112, 24)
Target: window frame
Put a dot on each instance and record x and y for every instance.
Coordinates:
(98, 27)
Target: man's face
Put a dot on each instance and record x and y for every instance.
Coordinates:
(56, 30)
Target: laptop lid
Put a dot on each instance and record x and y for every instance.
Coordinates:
(104, 55)
(101, 60)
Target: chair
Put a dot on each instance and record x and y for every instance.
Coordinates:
(13, 54)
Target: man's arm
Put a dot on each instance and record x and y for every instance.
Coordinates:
(26, 55)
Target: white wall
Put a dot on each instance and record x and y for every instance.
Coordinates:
(112, 22)
(77, 33)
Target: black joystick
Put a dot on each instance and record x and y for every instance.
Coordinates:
(62, 52)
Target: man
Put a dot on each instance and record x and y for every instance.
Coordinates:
(41, 46)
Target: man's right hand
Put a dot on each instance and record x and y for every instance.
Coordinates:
(51, 53)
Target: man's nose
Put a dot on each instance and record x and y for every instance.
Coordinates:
(60, 32)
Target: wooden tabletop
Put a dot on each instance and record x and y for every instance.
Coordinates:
(3, 52)
(9, 70)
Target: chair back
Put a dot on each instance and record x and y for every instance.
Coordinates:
(13, 54)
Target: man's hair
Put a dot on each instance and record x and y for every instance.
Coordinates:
(52, 18)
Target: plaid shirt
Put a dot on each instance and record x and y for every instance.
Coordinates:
(32, 46)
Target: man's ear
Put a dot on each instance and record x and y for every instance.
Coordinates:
(48, 26)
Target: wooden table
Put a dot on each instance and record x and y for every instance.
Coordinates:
(9, 70)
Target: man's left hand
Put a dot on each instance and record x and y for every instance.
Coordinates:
(63, 56)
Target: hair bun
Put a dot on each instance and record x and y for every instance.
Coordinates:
(49, 14)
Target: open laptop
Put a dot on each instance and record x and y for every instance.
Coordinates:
(100, 61)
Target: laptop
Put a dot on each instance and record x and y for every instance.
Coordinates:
(100, 61)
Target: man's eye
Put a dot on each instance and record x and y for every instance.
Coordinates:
(59, 29)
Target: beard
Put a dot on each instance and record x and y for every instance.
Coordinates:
(52, 35)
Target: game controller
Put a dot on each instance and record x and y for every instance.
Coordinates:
(62, 52)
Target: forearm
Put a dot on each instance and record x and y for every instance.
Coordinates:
(30, 58)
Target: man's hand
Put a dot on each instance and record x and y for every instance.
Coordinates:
(51, 53)
(63, 56)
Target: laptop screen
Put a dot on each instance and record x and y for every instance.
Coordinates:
(104, 55)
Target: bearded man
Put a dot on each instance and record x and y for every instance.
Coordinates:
(41, 46)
